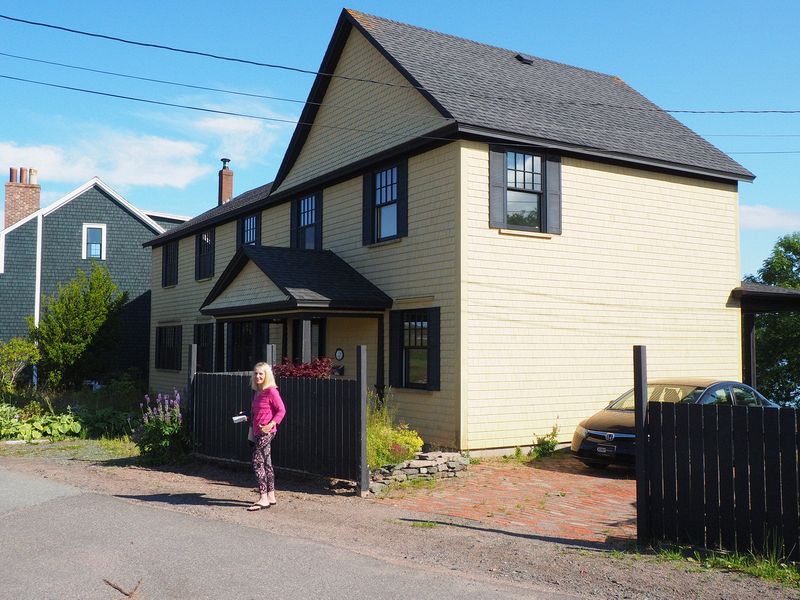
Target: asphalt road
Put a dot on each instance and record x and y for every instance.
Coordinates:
(57, 541)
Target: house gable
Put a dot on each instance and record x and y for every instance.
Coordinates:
(250, 287)
(359, 118)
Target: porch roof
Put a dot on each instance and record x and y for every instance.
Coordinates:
(761, 298)
(297, 279)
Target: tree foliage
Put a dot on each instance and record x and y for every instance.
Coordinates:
(15, 355)
(778, 334)
(78, 328)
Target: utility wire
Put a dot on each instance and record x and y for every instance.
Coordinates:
(213, 89)
(298, 122)
(372, 81)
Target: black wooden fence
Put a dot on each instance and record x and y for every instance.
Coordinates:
(323, 433)
(724, 477)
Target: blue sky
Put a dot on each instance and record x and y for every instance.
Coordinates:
(683, 55)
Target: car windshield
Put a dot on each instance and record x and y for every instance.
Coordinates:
(660, 393)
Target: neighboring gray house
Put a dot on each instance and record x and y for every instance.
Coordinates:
(41, 248)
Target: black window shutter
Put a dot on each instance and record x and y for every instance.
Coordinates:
(552, 222)
(434, 369)
(258, 229)
(366, 213)
(396, 348)
(318, 221)
(197, 255)
(240, 231)
(497, 188)
(293, 221)
(402, 198)
(219, 353)
(212, 254)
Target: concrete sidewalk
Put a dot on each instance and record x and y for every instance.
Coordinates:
(557, 499)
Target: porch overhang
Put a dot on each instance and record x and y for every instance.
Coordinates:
(269, 280)
(753, 299)
(759, 298)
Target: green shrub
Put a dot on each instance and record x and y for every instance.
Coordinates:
(106, 422)
(388, 442)
(161, 436)
(31, 423)
(15, 355)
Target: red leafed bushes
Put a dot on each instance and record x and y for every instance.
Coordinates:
(319, 368)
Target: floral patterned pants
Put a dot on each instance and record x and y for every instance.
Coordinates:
(262, 463)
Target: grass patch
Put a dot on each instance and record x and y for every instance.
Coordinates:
(424, 524)
(771, 567)
(75, 449)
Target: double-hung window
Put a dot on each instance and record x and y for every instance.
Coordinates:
(168, 347)
(414, 348)
(204, 254)
(385, 203)
(249, 230)
(169, 264)
(306, 222)
(94, 241)
(525, 190)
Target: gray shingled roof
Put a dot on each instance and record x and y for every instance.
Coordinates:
(311, 279)
(487, 87)
(216, 215)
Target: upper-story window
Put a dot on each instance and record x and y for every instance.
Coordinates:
(386, 203)
(94, 241)
(525, 190)
(307, 222)
(169, 264)
(249, 230)
(204, 254)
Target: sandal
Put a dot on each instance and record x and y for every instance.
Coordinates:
(257, 506)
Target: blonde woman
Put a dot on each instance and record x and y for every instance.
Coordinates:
(266, 412)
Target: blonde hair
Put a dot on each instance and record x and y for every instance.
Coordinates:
(269, 377)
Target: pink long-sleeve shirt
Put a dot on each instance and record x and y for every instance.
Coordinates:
(267, 406)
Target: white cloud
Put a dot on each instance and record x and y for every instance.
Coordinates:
(52, 162)
(121, 159)
(761, 216)
(129, 159)
(245, 141)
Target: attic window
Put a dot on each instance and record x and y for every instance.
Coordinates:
(524, 58)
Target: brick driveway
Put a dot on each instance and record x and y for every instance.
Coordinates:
(557, 498)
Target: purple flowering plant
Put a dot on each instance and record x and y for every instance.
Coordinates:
(161, 436)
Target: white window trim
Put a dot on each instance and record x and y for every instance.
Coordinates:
(102, 228)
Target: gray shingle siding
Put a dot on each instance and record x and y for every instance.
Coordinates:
(126, 259)
(18, 281)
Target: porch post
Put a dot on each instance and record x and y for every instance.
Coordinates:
(749, 348)
(270, 358)
(306, 342)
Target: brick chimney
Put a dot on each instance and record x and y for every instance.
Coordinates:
(225, 182)
(22, 195)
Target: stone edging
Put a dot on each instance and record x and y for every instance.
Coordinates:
(425, 465)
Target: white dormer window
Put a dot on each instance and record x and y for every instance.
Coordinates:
(94, 241)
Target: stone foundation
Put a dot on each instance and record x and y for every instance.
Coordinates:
(425, 465)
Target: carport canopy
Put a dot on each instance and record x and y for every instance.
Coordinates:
(756, 298)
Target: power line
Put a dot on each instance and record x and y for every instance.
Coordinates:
(210, 89)
(211, 110)
(384, 83)
(334, 127)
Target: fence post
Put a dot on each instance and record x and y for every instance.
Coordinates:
(640, 397)
(192, 416)
(361, 379)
